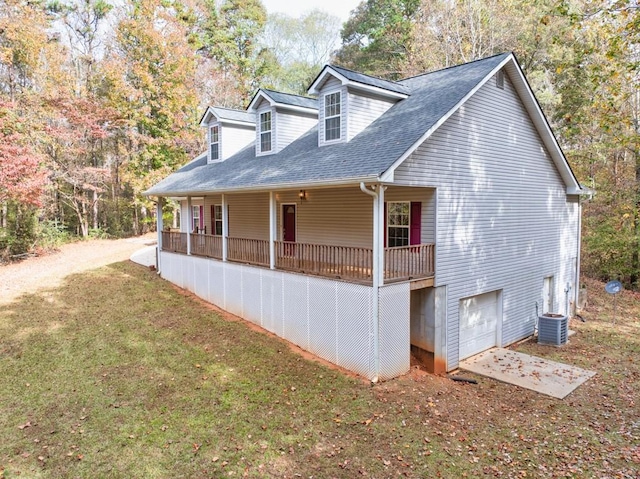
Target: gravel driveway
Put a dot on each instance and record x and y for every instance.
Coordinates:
(33, 274)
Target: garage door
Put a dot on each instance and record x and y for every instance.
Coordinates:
(478, 323)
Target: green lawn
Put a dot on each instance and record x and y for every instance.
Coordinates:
(118, 374)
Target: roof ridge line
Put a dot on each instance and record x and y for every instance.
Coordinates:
(455, 66)
(331, 65)
(290, 94)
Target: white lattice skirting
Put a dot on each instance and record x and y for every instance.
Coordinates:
(332, 319)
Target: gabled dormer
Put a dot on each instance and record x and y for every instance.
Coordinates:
(348, 102)
(281, 118)
(228, 131)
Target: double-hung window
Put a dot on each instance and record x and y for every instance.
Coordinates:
(265, 131)
(216, 226)
(332, 109)
(398, 223)
(196, 219)
(214, 140)
(403, 223)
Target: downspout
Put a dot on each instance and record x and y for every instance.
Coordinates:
(375, 280)
(578, 259)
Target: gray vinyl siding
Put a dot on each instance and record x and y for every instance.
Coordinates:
(249, 215)
(186, 221)
(234, 138)
(340, 216)
(363, 110)
(330, 86)
(292, 126)
(427, 197)
(209, 201)
(504, 221)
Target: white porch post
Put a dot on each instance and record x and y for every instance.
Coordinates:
(189, 223)
(380, 233)
(377, 273)
(159, 228)
(272, 230)
(225, 227)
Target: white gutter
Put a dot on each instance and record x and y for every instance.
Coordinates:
(375, 280)
(266, 188)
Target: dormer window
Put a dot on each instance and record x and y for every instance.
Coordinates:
(332, 124)
(214, 140)
(265, 131)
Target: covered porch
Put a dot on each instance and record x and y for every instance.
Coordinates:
(368, 235)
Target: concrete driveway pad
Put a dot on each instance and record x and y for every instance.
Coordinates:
(540, 375)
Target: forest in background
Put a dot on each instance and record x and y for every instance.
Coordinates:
(100, 99)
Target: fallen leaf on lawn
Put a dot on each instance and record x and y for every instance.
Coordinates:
(25, 425)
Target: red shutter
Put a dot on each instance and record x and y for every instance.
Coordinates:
(202, 219)
(416, 220)
(213, 219)
(385, 224)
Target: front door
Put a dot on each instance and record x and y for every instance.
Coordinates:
(289, 223)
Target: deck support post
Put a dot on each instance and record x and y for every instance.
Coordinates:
(159, 228)
(272, 230)
(225, 227)
(189, 224)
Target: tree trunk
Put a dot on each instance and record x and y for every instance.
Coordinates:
(135, 220)
(95, 210)
(143, 213)
(3, 215)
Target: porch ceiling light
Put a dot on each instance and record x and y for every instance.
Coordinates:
(302, 195)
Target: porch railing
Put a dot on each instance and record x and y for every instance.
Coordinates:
(174, 241)
(344, 262)
(206, 245)
(248, 251)
(408, 262)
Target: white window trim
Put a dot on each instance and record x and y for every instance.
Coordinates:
(211, 142)
(271, 131)
(195, 215)
(389, 225)
(325, 117)
(215, 221)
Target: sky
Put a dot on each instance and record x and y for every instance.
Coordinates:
(339, 8)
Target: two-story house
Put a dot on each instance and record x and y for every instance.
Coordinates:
(436, 213)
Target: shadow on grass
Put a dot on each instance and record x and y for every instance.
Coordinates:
(117, 374)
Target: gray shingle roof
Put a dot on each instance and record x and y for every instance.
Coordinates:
(372, 81)
(294, 100)
(234, 115)
(367, 156)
